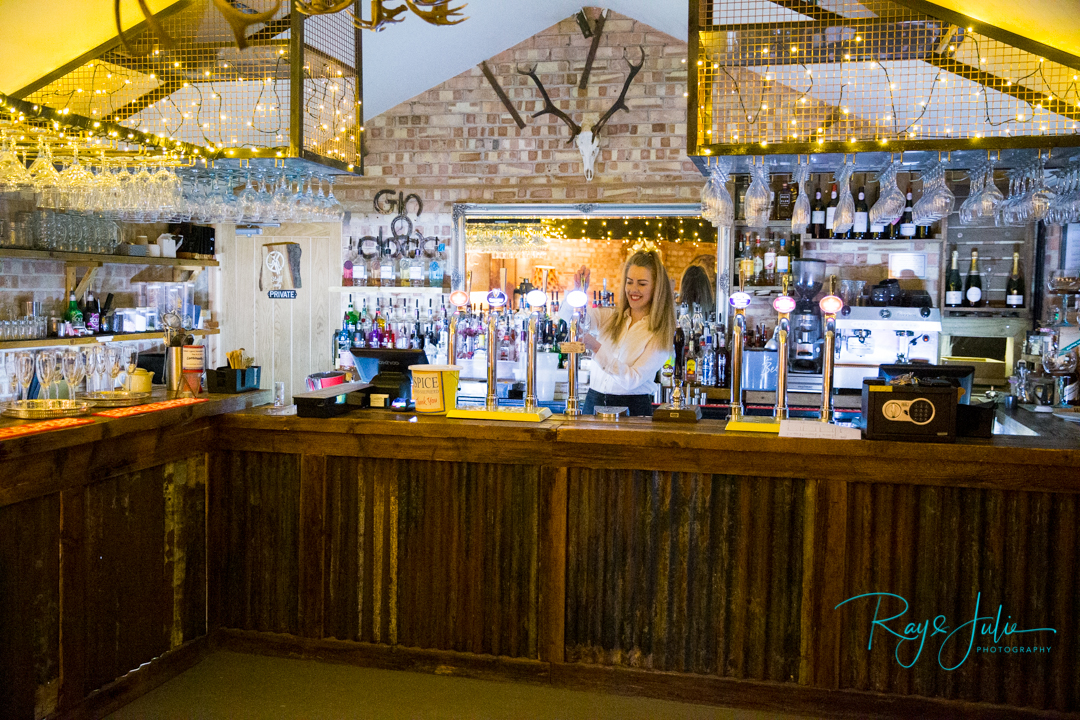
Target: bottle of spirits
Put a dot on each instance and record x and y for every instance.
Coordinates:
(402, 259)
(830, 212)
(435, 266)
(783, 261)
(862, 216)
(370, 259)
(353, 316)
(759, 263)
(907, 227)
(721, 362)
(1014, 287)
(973, 289)
(770, 262)
(74, 314)
(954, 288)
(92, 315)
(817, 216)
(417, 269)
(387, 265)
(785, 201)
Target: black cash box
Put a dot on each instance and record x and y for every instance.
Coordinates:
(920, 413)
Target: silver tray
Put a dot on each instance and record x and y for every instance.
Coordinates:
(45, 409)
(114, 398)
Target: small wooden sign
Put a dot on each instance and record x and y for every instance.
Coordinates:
(567, 348)
(281, 294)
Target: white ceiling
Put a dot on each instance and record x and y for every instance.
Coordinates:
(408, 58)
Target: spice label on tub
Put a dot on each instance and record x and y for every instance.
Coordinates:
(193, 358)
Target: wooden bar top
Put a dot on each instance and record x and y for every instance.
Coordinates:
(1049, 461)
(106, 428)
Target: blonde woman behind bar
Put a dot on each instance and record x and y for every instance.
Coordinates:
(630, 344)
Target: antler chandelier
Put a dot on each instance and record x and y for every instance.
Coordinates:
(435, 12)
(510, 240)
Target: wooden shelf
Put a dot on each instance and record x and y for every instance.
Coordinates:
(360, 289)
(154, 335)
(103, 259)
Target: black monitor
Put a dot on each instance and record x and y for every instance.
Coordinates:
(387, 369)
(962, 375)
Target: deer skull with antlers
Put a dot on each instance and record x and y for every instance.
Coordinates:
(587, 141)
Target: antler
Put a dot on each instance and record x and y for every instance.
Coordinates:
(440, 12)
(380, 16)
(549, 107)
(240, 21)
(620, 104)
(321, 7)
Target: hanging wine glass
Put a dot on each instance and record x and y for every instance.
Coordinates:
(800, 213)
(758, 200)
(844, 218)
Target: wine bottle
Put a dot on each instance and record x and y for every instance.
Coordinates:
(817, 216)
(759, 263)
(830, 212)
(862, 216)
(783, 261)
(907, 227)
(769, 270)
(954, 288)
(1014, 287)
(973, 289)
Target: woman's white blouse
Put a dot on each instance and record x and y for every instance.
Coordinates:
(629, 366)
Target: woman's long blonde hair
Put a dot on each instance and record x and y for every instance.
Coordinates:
(661, 315)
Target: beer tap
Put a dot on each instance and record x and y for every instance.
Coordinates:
(537, 299)
(577, 299)
(496, 300)
(739, 301)
(680, 370)
(830, 305)
(459, 299)
(783, 305)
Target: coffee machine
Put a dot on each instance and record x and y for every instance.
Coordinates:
(804, 356)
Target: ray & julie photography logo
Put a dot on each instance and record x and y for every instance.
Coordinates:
(993, 634)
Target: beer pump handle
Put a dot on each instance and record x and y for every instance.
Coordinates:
(680, 343)
(786, 282)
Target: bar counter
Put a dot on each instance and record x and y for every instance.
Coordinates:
(674, 561)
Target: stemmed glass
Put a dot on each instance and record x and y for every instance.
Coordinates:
(800, 213)
(130, 357)
(45, 363)
(890, 203)
(333, 209)
(113, 358)
(11, 375)
(101, 361)
(74, 370)
(845, 207)
(716, 205)
(90, 367)
(1063, 283)
(937, 199)
(758, 201)
(25, 366)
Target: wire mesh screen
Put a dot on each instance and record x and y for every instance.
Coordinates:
(790, 76)
(203, 90)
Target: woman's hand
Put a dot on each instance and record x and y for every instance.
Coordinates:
(581, 278)
(591, 343)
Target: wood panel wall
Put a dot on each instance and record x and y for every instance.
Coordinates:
(115, 566)
(289, 339)
(398, 552)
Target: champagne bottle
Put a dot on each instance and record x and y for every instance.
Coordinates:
(907, 227)
(830, 212)
(862, 216)
(1014, 288)
(954, 288)
(973, 289)
(817, 216)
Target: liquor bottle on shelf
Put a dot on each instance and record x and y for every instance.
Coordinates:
(769, 270)
(417, 271)
(907, 227)
(954, 287)
(370, 257)
(74, 314)
(387, 265)
(783, 261)
(721, 362)
(1014, 287)
(860, 228)
(817, 216)
(92, 313)
(352, 317)
(830, 212)
(759, 262)
(435, 265)
(785, 201)
(973, 289)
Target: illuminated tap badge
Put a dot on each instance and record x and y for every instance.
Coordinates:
(740, 300)
(496, 298)
(784, 304)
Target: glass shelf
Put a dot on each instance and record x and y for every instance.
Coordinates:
(154, 335)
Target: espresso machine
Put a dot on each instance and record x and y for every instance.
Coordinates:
(807, 337)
